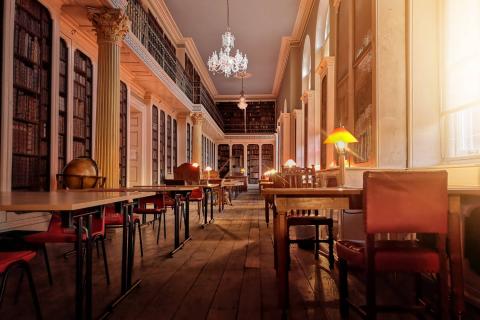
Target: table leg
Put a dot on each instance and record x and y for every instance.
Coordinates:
(88, 269)
(124, 248)
(455, 254)
(79, 271)
(211, 206)
(177, 221)
(267, 213)
(131, 252)
(283, 260)
(205, 208)
(187, 216)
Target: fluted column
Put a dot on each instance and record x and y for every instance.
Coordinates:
(111, 26)
(197, 119)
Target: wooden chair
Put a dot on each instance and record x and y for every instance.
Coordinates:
(191, 175)
(286, 215)
(398, 202)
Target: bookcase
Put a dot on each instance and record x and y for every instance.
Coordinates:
(253, 163)
(237, 158)
(169, 144)
(31, 97)
(189, 141)
(82, 105)
(123, 133)
(223, 159)
(260, 117)
(267, 157)
(155, 145)
(174, 146)
(62, 106)
(162, 146)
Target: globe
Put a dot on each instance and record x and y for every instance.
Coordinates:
(81, 173)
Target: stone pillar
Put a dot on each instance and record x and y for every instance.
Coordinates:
(111, 26)
(197, 119)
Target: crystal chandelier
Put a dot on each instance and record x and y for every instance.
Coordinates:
(223, 62)
(242, 103)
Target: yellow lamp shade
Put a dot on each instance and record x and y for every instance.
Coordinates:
(196, 165)
(290, 163)
(208, 169)
(340, 135)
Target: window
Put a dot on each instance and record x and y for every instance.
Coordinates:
(461, 78)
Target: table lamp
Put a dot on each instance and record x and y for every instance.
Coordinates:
(290, 163)
(195, 165)
(341, 137)
(208, 169)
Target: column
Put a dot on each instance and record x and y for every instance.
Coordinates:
(181, 138)
(111, 26)
(197, 119)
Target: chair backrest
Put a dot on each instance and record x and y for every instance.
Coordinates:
(188, 173)
(405, 201)
(213, 175)
(298, 177)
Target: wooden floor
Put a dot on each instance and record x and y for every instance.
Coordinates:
(225, 272)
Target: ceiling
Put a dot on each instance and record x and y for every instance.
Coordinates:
(258, 26)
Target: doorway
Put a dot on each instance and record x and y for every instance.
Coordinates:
(135, 154)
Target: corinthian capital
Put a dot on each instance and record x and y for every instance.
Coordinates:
(197, 118)
(111, 25)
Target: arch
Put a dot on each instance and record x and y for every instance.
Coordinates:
(306, 64)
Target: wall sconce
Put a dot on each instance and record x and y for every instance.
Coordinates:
(341, 137)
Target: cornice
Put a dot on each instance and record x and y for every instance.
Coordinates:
(250, 97)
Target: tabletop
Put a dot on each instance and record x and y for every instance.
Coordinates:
(63, 200)
(312, 191)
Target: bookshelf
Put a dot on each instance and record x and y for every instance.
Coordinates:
(62, 106)
(223, 159)
(237, 158)
(189, 141)
(174, 146)
(162, 146)
(267, 157)
(31, 97)
(82, 105)
(155, 145)
(169, 144)
(253, 163)
(123, 133)
(260, 116)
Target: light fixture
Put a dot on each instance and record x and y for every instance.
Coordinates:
(195, 165)
(223, 62)
(208, 169)
(341, 137)
(242, 103)
(290, 163)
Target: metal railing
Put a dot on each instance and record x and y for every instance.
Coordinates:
(249, 129)
(201, 96)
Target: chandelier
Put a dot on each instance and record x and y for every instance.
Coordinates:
(242, 103)
(223, 62)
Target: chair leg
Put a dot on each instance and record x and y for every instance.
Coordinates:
(105, 260)
(371, 294)
(343, 287)
(19, 285)
(140, 237)
(33, 291)
(199, 205)
(443, 292)
(317, 244)
(98, 251)
(331, 258)
(43, 248)
(164, 226)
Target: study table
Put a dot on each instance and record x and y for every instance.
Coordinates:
(80, 207)
(351, 198)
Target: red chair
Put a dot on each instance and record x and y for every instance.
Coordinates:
(155, 205)
(191, 176)
(398, 202)
(114, 220)
(19, 259)
(56, 233)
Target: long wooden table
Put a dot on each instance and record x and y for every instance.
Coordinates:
(457, 196)
(68, 203)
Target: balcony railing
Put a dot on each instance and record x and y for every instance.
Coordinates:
(153, 39)
(201, 96)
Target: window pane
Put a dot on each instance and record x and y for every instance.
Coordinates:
(463, 133)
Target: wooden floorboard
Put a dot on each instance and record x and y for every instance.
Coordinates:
(225, 272)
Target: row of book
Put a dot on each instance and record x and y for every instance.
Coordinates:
(61, 125)
(80, 149)
(27, 45)
(82, 93)
(79, 128)
(79, 108)
(82, 64)
(26, 171)
(61, 147)
(62, 104)
(26, 107)
(26, 77)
